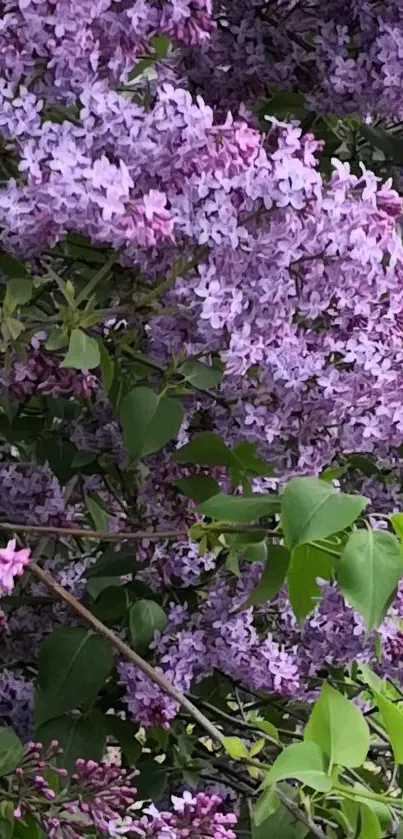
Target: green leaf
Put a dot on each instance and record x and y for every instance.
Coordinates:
(107, 367)
(391, 145)
(338, 728)
(393, 722)
(97, 585)
(245, 453)
(199, 375)
(18, 292)
(304, 762)
(11, 750)
(235, 747)
(272, 578)
(113, 564)
(267, 804)
(282, 824)
(11, 266)
(264, 725)
(148, 421)
(368, 572)
(83, 352)
(397, 524)
(240, 510)
(99, 517)
(206, 449)
(311, 509)
(152, 780)
(112, 604)
(161, 45)
(73, 665)
(79, 737)
(307, 564)
(198, 487)
(370, 827)
(27, 828)
(124, 732)
(146, 616)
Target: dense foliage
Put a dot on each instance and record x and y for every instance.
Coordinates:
(201, 419)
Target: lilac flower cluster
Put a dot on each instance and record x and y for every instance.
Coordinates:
(192, 817)
(98, 795)
(344, 57)
(41, 374)
(30, 494)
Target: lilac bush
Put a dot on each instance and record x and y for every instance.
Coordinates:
(201, 274)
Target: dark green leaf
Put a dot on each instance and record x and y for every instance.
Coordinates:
(152, 780)
(302, 761)
(83, 352)
(112, 604)
(107, 367)
(113, 564)
(11, 266)
(79, 737)
(311, 509)
(337, 726)
(307, 564)
(368, 572)
(199, 375)
(198, 487)
(27, 828)
(148, 421)
(10, 751)
(391, 145)
(97, 585)
(206, 449)
(124, 732)
(240, 510)
(146, 616)
(73, 665)
(272, 578)
(245, 453)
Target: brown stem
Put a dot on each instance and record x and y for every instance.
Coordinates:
(126, 536)
(125, 650)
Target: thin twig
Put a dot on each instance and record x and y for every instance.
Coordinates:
(156, 677)
(299, 815)
(125, 536)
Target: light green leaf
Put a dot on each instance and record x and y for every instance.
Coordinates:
(265, 806)
(393, 722)
(264, 725)
(11, 751)
(308, 562)
(235, 747)
(391, 145)
(99, 516)
(240, 510)
(304, 762)
(272, 578)
(148, 421)
(146, 616)
(73, 665)
(370, 827)
(199, 375)
(338, 728)
(397, 524)
(18, 292)
(83, 352)
(282, 824)
(368, 572)
(311, 509)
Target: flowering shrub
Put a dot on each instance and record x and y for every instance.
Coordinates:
(201, 289)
